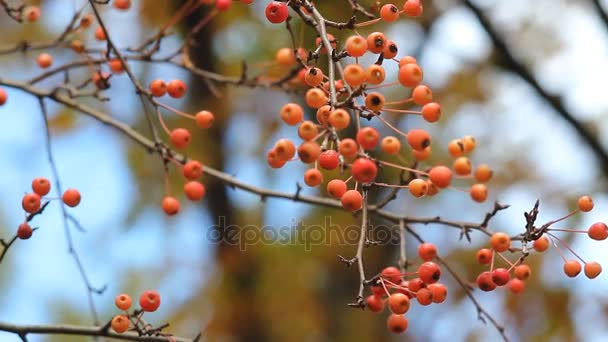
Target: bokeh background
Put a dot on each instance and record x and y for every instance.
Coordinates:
(283, 292)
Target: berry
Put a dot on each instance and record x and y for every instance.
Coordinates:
(31, 203)
(456, 148)
(598, 231)
(407, 60)
(418, 139)
(176, 89)
(484, 256)
(585, 203)
(376, 42)
(3, 96)
(352, 200)
(123, 302)
(439, 292)
(410, 75)
(193, 169)
(441, 176)
(485, 282)
(592, 269)
(500, 276)
(194, 190)
(396, 323)
(309, 152)
(364, 170)
(313, 77)
(313, 177)
(399, 303)
(427, 251)
(291, 113)
(422, 155)
(122, 4)
(116, 66)
(572, 268)
(285, 149)
(120, 323)
(180, 138)
(336, 188)
(374, 101)
(44, 60)
(368, 138)
(24, 231)
(412, 8)
(374, 303)
(416, 284)
(390, 145)
(170, 205)
(329, 160)
(389, 13)
(158, 88)
(424, 296)
(31, 13)
(204, 119)
(429, 272)
(41, 186)
(273, 160)
(348, 148)
(392, 274)
(339, 119)
(516, 286)
(354, 75)
(483, 173)
(422, 95)
(355, 46)
(277, 12)
(307, 130)
(462, 166)
(522, 272)
(418, 187)
(71, 197)
(375, 74)
(149, 301)
(323, 114)
(223, 5)
(500, 241)
(100, 34)
(315, 98)
(541, 244)
(468, 143)
(479, 192)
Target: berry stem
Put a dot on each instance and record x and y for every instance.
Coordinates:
(176, 111)
(563, 243)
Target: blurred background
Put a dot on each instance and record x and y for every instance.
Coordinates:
(525, 80)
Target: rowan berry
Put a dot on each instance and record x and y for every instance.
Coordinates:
(24, 231)
(149, 301)
(441, 176)
(336, 188)
(309, 152)
(422, 95)
(439, 292)
(86, 21)
(285, 56)
(479, 192)
(483, 173)
(407, 60)
(592, 269)
(41, 186)
(273, 160)
(31, 13)
(485, 282)
(71, 197)
(329, 160)
(44, 60)
(374, 303)
(193, 169)
(354, 75)
(390, 145)
(572, 268)
(585, 203)
(389, 13)
(392, 274)
(348, 148)
(423, 154)
(500, 241)
(462, 166)
(315, 98)
(352, 200)
(432, 189)
(307, 130)
(339, 119)
(277, 12)
(100, 34)
(375, 74)
(194, 190)
(376, 42)
(355, 46)
(123, 301)
(374, 101)
(418, 139)
(598, 231)
(396, 323)
(313, 177)
(468, 143)
(410, 75)
(291, 113)
(122, 4)
(484, 256)
(313, 77)
(120, 323)
(180, 138)
(176, 89)
(158, 88)
(541, 244)
(456, 148)
(116, 66)
(364, 170)
(431, 111)
(412, 8)
(368, 138)
(399, 303)
(427, 251)
(516, 285)
(416, 284)
(429, 272)
(418, 187)
(223, 5)
(522, 272)
(323, 114)
(3, 96)
(424, 296)
(170, 205)
(500, 276)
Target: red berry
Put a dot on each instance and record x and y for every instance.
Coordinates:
(329, 160)
(176, 88)
(374, 303)
(71, 197)
(364, 170)
(399, 303)
(193, 169)
(277, 12)
(352, 200)
(180, 138)
(123, 301)
(41, 186)
(392, 274)
(24, 231)
(149, 301)
(485, 282)
(223, 5)
(194, 190)
(120, 323)
(368, 138)
(500, 276)
(336, 188)
(441, 176)
(31, 202)
(170, 205)
(598, 231)
(516, 285)
(429, 272)
(427, 251)
(397, 323)
(122, 4)
(439, 292)
(3, 96)
(204, 119)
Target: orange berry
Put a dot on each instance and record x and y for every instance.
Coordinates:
(541, 244)
(485, 282)
(176, 88)
(123, 302)
(422, 155)
(364, 170)
(592, 269)
(24, 231)
(291, 113)
(418, 187)
(31, 13)
(354, 75)
(101, 80)
(313, 77)
(193, 169)
(307, 130)
(427, 251)
(484, 256)
(374, 303)
(44, 60)
(441, 176)
(273, 160)
(315, 98)
(336, 188)
(439, 292)
(116, 66)
(389, 13)
(412, 8)
(313, 177)
(100, 34)
(352, 200)
(424, 296)
(501, 242)
(71, 197)
(332, 42)
(392, 274)
(407, 60)
(348, 148)
(86, 21)
(390, 145)
(410, 75)
(77, 46)
(462, 166)
(122, 4)
(431, 112)
(418, 139)
(368, 138)
(468, 143)
(285, 149)
(323, 114)
(170, 205)
(355, 46)
(483, 173)
(572, 268)
(3, 96)
(158, 88)
(120, 323)
(429, 272)
(194, 190)
(422, 95)
(375, 74)
(204, 119)
(598, 231)
(41, 186)
(479, 192)
(390, 50)
(339, 119)
(309, 152)
(149, 301)
(376, 42)
(456, 148)
(432, 189)
(585, 203)
(285, 56)
(516, 286)
(522, 272)
(180, 138)
(399, 303)
(374, 101)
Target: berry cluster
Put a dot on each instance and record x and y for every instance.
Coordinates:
(32, 203)
(149, 301)
(401, 287)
